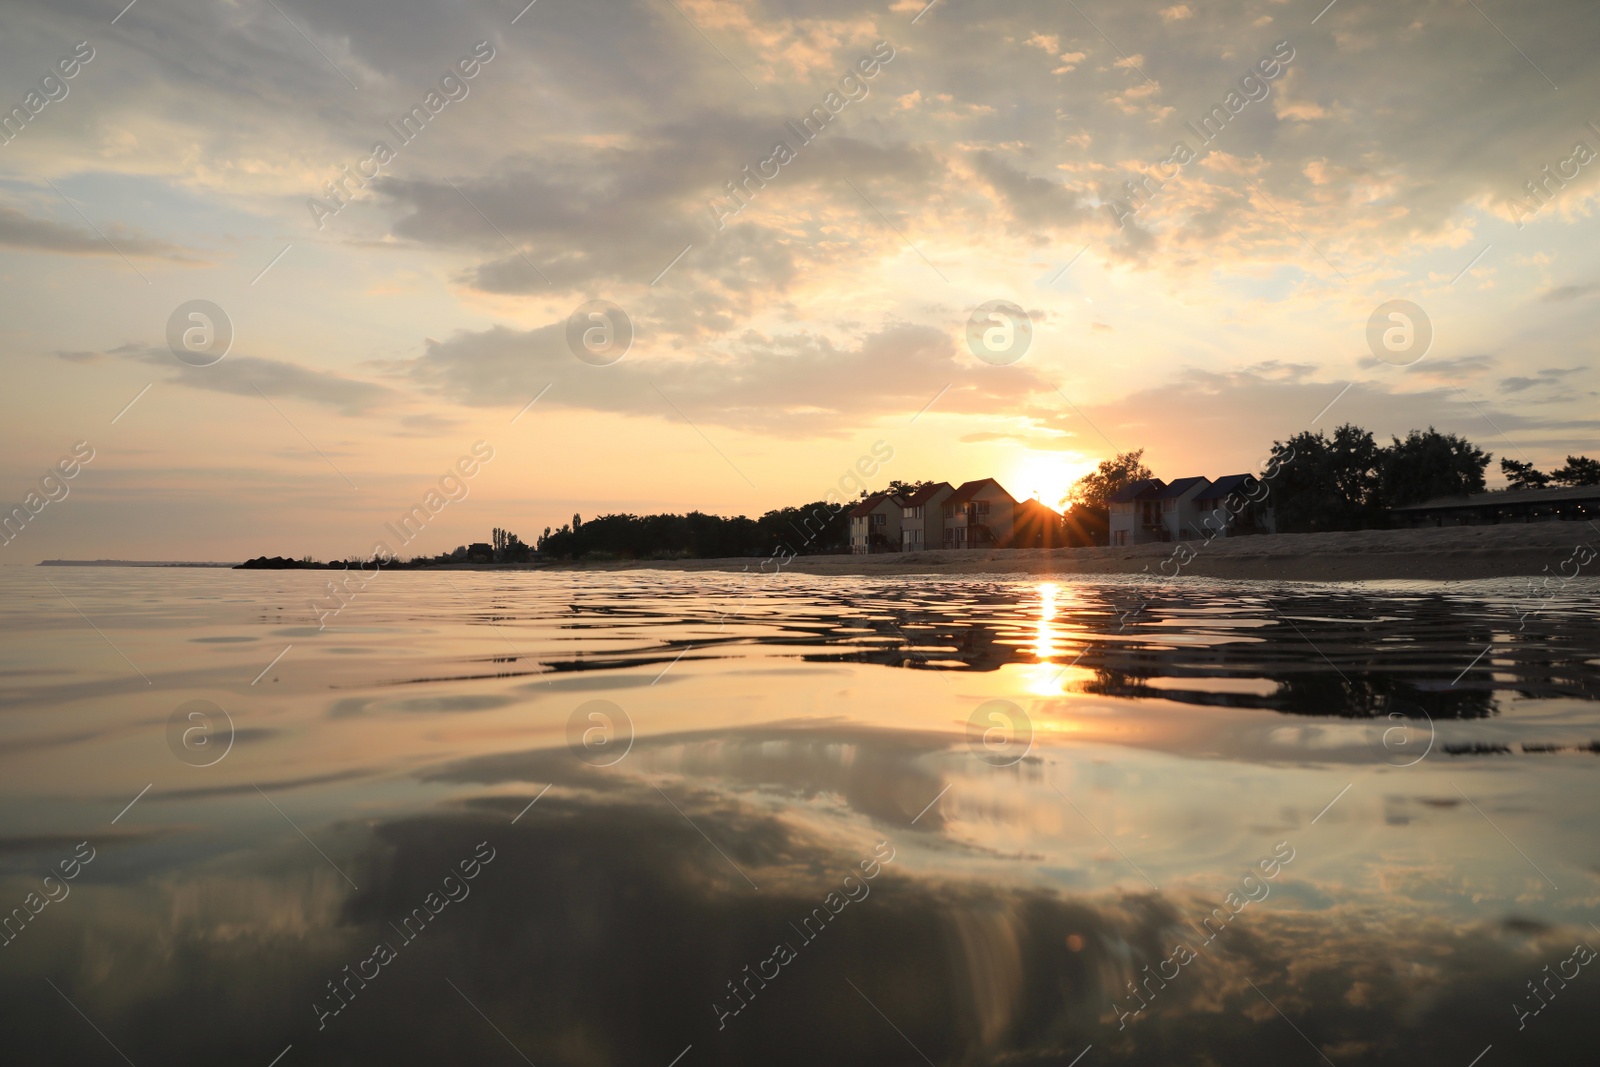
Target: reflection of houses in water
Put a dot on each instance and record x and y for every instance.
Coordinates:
(1340, 657)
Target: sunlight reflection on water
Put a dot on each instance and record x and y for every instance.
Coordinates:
(769, 735)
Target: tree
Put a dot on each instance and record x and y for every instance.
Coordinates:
(900, 488)
(1323, 483)
(1431, 464)
(1095, 489)
(1523, 475)
(1089, 517)
(1579, 470)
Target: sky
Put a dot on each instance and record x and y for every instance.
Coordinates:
(357, 344)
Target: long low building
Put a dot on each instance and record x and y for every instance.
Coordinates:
(1569, 503)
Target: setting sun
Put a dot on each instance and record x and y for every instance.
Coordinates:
(1046, 476)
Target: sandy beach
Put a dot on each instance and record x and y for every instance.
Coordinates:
(1450, 554)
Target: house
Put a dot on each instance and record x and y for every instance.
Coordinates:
(1235, 505)
(922, 518)
(875, 524)
(1195, 508)
(979, 514)
(1180, 515)
(1503, 505)
(480, 552)
(1135, 513)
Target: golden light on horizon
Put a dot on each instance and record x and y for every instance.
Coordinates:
(1047, 476)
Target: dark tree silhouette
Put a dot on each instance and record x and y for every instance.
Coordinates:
(1523, 475)
(1324, 483)
(1579, 470)
(1431, 464)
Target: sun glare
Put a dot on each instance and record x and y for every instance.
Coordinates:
(1046, 476)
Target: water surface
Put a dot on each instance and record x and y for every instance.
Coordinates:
(785, 819)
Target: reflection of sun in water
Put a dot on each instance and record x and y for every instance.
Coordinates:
(1044, 645)
(1047, 678)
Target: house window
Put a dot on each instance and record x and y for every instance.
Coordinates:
(879, 519)
(983, 507)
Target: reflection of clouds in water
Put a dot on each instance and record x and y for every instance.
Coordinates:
(1008, 927)
(610, 928)
(1004, 821)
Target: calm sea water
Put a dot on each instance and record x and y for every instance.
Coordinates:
(741, 819)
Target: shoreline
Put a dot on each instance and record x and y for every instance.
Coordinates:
(1547, 550)
(1462, 553)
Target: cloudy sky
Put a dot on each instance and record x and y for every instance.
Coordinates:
(572, 152)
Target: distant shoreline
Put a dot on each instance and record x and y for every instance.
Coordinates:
(126, 563)
(1460, 553)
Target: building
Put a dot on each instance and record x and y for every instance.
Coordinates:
(875, 524)
(1234, 506)
(1180, 512)
(1188, 509)
(922, 518)
(979, 514)
(1135, 512)
(1501, 506)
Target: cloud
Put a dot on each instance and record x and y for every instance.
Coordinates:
(18, 230)
(1238, 414)
(1563, 293)
(1034, 203)
(1547, 376)
(254, 376)
(789, 385)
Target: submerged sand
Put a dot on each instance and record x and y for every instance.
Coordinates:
(1454, 553)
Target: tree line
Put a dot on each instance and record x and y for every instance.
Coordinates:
(1346, 480)
(817, 527)
(1340, 481)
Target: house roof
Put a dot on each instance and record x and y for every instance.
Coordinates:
(1176, 489)
(925, 494)
(1137, 490)
(1225, 485)
(1503, 497)
(968, 490)
(872, 503)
